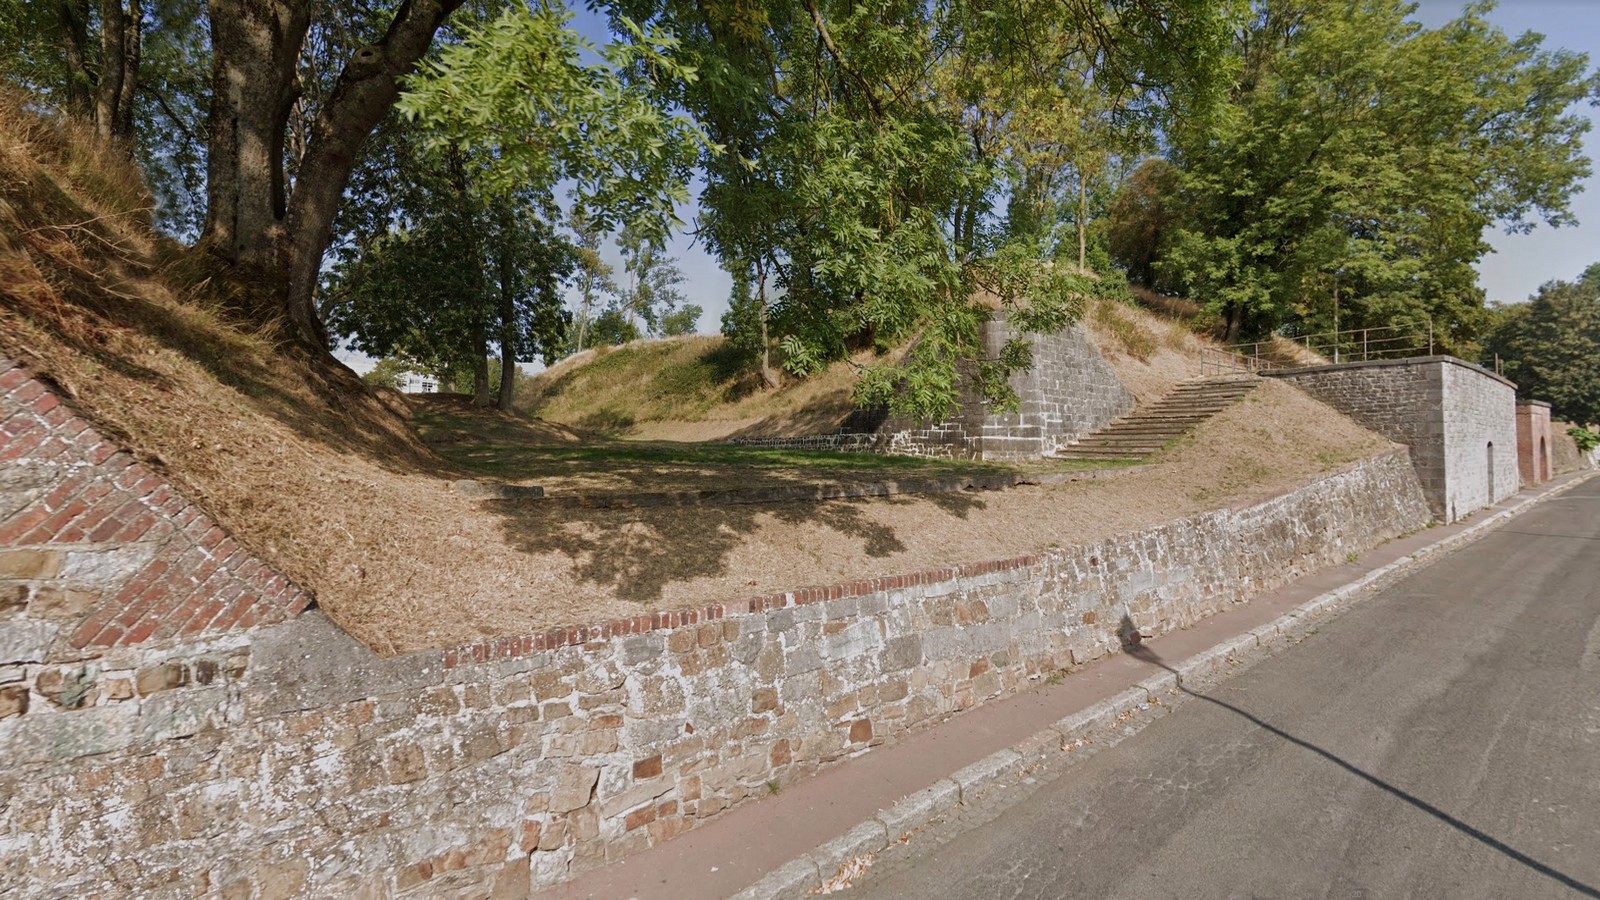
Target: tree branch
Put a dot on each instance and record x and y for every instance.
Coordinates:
(838, 58)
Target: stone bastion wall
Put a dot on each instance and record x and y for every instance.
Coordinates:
(269, 755)
(1068, 392)
(1458, 419)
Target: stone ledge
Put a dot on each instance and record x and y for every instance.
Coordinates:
(1383, 363)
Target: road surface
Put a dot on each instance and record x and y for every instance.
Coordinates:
(1441, 739)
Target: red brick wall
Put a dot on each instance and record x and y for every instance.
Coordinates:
(98, 550)
(1533, 442)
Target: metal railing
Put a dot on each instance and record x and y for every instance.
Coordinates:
(1228, 361)
(1355, 345)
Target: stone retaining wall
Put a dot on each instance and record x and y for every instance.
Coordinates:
(1069, 392)
(288, 760)
(1458, 419)
(1564, 453)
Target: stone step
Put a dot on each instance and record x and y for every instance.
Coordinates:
(1147, 447)
(1120, 440)
(1196, 416)
(1200, 388)
(1097, 454)
(1161, 422)
(1170, 406)
(1099, 440)
(1151, 429)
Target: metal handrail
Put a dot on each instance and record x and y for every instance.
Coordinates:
(1224, 361)
(1353, 345)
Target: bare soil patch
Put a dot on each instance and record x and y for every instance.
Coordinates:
(661, 557)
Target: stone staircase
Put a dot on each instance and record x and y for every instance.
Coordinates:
(1150, 428)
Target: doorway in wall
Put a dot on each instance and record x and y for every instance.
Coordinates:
(1544, 462)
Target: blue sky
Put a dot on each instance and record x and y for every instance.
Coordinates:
(1521, 263)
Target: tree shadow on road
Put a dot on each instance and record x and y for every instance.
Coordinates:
(1133, 644)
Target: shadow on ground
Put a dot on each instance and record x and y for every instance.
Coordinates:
(1132, 643)
(637, 553)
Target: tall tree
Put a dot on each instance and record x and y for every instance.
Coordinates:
(530, 263)
(519, 90)
(137, 72)
(651, 297)
(1141, 217)
(863, 147)
(118, 77)
(275, 230)
(439, 264)
(1550, 346)
(1360, 160)
(592, 276)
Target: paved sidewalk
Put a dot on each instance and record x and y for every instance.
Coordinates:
(778, 841)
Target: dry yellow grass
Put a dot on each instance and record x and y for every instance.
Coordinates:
(325, 480)
(1274, 440)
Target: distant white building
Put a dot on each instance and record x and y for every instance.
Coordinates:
(416, 383)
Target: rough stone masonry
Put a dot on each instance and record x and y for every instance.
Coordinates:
(268, 755)
(1458, 419)
(1069, 392)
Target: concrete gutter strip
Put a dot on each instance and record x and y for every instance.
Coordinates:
(810, 873)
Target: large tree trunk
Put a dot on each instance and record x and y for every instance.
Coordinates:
(255, 47)
(74, 18)
(1234, 318)
(1083, 223)
(120, 31)
(583, 318)
(274, 236)
(132, 49)
(508, 334)
(480, 366)
(766, 342)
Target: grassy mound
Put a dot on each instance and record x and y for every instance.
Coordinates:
(328, 481)
(687, 389)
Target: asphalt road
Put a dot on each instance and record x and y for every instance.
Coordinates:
(1439, 740)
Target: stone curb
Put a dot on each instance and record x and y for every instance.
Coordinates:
(807, 873)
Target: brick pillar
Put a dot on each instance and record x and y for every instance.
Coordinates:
(1533, 441)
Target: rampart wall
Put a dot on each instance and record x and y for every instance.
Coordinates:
(270, 755)
(1458, 419)
(1070, 391)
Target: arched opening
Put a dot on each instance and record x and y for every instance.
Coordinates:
(1490, 452)
(1543, 470)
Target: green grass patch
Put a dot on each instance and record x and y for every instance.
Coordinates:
(511, 448)
(644, 382)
